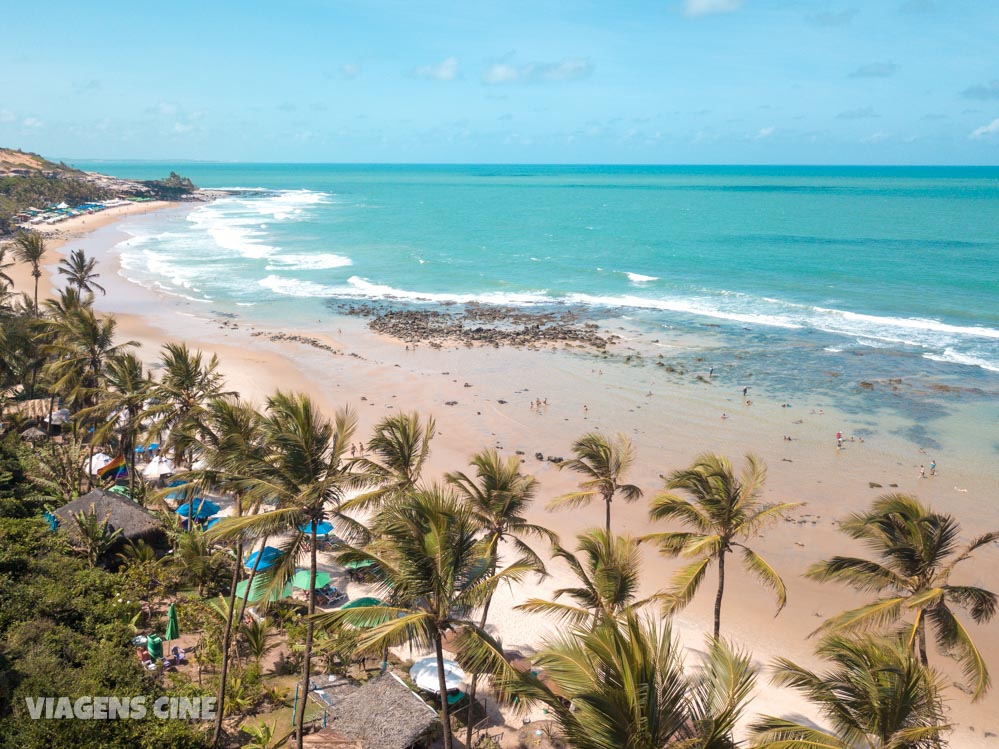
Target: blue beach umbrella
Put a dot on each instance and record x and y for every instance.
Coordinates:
(201, 510)
(268, 558)
(212, 523)
(322, 529)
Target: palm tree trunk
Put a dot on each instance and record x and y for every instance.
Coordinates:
(607, 502)
(442, 685)
(226, 644)
(721, 592)
(37, 274)
(475, 675)
(309, 627)
(923, 656)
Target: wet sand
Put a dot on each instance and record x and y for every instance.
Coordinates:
(377, 375)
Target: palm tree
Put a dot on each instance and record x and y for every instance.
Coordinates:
(80, 272)
(81, 347)
(876, 694)
(428, 559)
(603, 462)
(231, 437)
(264, 736)
(195, 560)
(121, 405)
(96, 537)
(623, 684)
(607, 569)
(498, 497)
(397, 453)
(724, 508)
(917, 549)
(29, 247)
(5, 280)
(304, 471)
(256, 635)
(187, 385)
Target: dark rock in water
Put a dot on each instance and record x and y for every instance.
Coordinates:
(450, 403)
(501, 402)
(539, 456)
(488, 325)
(553, 459)
(874, 484)
(468, 384)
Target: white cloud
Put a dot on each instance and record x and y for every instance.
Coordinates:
(182, 127)
(569, 69)
(693, 8)
(986, 131)
(31, 122)
(876, 137)
(765, 132)
(7, 116)
(349, 70)
(447, 70)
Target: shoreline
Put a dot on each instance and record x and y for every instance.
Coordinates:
(377, 375)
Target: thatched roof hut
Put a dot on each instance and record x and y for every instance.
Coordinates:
(382, 714)
(135, 521)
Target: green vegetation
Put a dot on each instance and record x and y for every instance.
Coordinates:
(434, 553)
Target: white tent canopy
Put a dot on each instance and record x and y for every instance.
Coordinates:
(424, 674)
(158, 466)
(98, 462)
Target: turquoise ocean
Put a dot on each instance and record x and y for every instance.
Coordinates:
(865, 271)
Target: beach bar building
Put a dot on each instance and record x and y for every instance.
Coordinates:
(136, 522)
(381, 714)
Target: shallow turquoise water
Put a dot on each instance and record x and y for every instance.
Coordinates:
(810, 260)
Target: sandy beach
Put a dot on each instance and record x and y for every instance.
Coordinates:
(670, 420)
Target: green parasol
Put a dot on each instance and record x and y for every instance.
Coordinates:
(172, 627)
(301, 580)
(360, 564)
(360, 603)
(258, 590)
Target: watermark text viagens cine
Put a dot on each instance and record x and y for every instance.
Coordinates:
(121, 708)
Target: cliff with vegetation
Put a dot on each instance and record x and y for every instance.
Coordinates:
(28, 180)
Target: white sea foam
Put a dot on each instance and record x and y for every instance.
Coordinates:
(322, 261)
(954, 357)
(638, 279)
(296, 287)
(361, 287)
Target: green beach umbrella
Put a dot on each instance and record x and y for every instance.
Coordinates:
(258, 590)
(360, 603)
(172, 627)
(360, 564)
(301, 580)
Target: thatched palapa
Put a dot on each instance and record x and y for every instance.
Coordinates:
(382, 714)
(135, 521)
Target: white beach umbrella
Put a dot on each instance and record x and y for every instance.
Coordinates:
(157, 467)
(424, 674)
(98, 462)
(199, 465)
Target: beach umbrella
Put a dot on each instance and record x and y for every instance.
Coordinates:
(362, 603)
(258, 590)
(322, 528)
(34, 434)
(122, 490)
(157, 467)
(301, 579)
(198, 508)
(424, 674)
(268, 557)
(98, 462)
(212, 522)
(359, 564)
(172, 627)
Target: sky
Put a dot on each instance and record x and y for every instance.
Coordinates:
(505, 81)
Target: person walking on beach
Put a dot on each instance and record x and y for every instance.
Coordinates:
(933, 468)
(839, 439)
(745, 391)
(922, 472)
